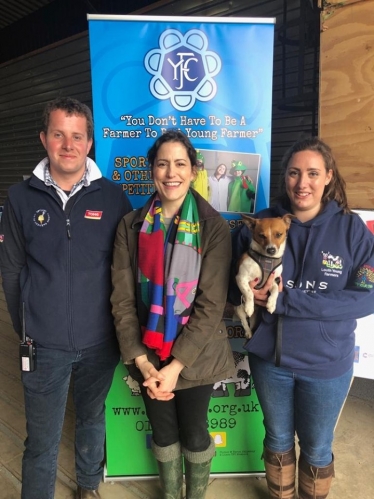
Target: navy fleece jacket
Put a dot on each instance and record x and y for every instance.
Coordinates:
(328, 283)
(55, 260)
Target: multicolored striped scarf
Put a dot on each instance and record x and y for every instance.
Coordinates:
(169, 264)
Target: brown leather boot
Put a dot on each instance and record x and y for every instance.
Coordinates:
(87, 494)
(280, 473)
(314, 482)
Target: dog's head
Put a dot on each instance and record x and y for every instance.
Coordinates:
(269, 234)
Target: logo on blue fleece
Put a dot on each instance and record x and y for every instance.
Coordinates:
(41, 218)
(365, 277)
(330, 261)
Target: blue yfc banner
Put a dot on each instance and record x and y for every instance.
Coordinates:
(210, 78)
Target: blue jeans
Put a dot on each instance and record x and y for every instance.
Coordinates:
(46, 391)
(292, 403)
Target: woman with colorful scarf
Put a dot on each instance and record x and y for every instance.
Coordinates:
(170, 276)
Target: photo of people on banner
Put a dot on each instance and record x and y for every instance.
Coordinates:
(228, 180)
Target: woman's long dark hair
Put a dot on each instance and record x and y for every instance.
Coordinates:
(335, 190)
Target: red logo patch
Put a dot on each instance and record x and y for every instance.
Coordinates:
(93, 215)
(370, 224)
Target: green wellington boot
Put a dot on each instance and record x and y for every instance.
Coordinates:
(197, 471)
(170, 468)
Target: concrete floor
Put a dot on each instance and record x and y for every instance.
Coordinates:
(354, 443)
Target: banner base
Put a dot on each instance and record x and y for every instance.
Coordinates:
(135, 478)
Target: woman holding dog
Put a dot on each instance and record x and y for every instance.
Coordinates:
(170, 275)
(327, 283)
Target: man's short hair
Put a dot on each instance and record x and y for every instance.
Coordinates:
(70, 106)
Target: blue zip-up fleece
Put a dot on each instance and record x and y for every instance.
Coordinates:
(56, 258)
(328, 283)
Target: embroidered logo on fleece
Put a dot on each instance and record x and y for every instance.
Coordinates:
(41, 218)
(365, 277)
(1, 238)
(93, 215)
(330, 261)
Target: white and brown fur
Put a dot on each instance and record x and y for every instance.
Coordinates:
(269, 237)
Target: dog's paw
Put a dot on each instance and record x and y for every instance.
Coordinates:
(249, 308)
(247, 329)
(248, 333)
(271, 304)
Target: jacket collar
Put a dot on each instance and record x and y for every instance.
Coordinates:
(93, 171)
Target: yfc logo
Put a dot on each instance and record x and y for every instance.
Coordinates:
(41, 218)
(183, 68)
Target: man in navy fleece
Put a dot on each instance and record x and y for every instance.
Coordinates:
(57, 230)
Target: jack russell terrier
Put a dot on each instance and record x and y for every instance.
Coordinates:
(263, 257)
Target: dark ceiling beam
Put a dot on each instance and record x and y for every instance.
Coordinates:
(56, 21)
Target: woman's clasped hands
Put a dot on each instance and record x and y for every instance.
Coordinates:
(161, 383)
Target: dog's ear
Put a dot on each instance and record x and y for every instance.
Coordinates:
(250, 222)
(288, 218)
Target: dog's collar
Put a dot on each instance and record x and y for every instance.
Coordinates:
(267, 265)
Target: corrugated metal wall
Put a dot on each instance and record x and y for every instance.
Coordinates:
(62, 69)
(25, 86)
(28, 25)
